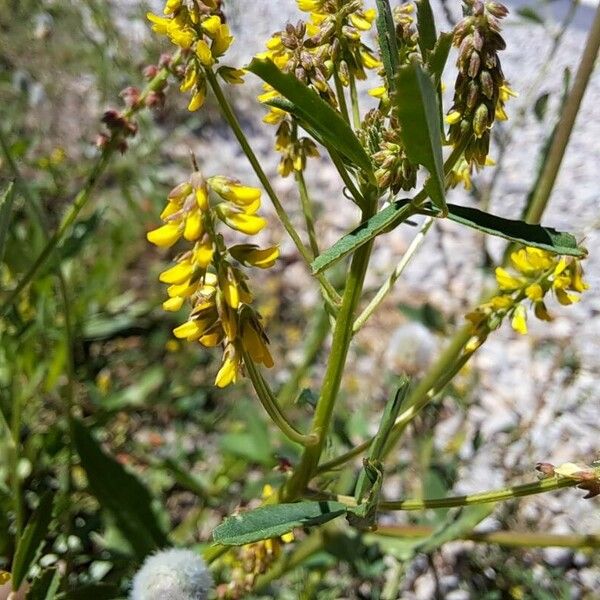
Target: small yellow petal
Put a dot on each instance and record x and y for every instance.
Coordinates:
(193, 227)
(164, 236)
(197, 100)
(203, 255)
(190, 330)
(519, 320)
(173, 304)
(227, 373)
(204, 54)
(178, 274)
(211, 25)
(506, 281)
(534, 292)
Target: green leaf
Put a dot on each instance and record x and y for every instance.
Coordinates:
(45, 586)
(540, 106)
(390, 412)
(417, 109)
(436, 61)
(425, 26)
(312, 109)
(386, 36)
(536, 236)
(120, 493)
(32, 539)
(382, 222)
(6, 203)
(275, 520)
(364, 516)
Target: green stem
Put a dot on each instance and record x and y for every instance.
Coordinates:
(354, 101)
(341, 96)
(511, 539)
(269, 402)
(385, 289)
(342, 336)
(564, 128)
(308, 213)
(314, 343)
(517, 491)
(329, 293)
(15, 428)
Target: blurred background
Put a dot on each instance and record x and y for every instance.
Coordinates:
(150, 398)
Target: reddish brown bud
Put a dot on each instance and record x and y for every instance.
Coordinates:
(130, 95)
(150, 71)
(546, 469)
(164, 60)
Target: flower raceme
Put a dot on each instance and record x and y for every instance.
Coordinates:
(534, 275)
(199, 29)
(208, 275)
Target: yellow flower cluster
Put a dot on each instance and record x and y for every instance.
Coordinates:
(208, 274)
(535, 274)
(198, 28)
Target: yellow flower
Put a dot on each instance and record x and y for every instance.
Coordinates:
(211, 25)
(256, 345)
(4, 577)
(222, 40)
(227, 373)
(173, 304)
(506, 281)
(519, 320)
(197, 99)
(248, 224)
(263, 258)
(204, 54)
(178, 274)
(164, 236)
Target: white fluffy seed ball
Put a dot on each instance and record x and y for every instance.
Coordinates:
(172, 575)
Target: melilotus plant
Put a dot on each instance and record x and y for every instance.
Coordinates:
(309, 72)
(396, 163)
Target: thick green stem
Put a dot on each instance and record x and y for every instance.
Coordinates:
(342, 336)
(269, 402)
(329, 293)
(564, 128)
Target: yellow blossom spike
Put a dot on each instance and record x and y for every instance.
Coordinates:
(164, 236)
(519, 320)
(194, 228)
(204, 54)
(190, 330)
(173, 304)
(506, 281)
(227, 373)
(178, 274)
(211, 25)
